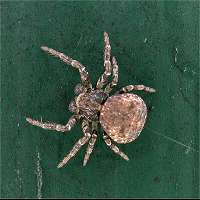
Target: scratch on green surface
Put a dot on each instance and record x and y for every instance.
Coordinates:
(176, 55)
(19, 180)
(39, 176)
(175, 141)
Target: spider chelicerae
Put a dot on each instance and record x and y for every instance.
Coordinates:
(122, 115)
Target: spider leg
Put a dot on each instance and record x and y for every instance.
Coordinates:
(74, 63)
(129, 88)
(78, 144)
(53, 126)
(90, 147)
(114, 82)
(108, 68)
(114, 147)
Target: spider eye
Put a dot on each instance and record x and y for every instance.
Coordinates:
(78, 89)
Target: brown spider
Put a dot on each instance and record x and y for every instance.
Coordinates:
(121, 115)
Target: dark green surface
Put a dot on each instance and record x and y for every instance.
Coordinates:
(37, 85)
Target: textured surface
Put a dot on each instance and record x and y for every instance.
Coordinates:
(155, 44)
(123, 117)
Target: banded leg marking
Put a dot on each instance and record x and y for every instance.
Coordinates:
(74, 63)
(129, 88)
(107, 65)
(74, 150)
(53, 126)
(78, 144)
(114, 82)
(90, 148)
(114, 148)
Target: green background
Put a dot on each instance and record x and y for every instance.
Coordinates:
(156, 44)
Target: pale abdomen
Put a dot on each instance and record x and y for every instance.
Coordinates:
(123, 117)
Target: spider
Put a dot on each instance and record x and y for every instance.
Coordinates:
(122, 115)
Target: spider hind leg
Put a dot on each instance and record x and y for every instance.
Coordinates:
(114, 148)
(90, 148)
(74, 150)
(78, 144)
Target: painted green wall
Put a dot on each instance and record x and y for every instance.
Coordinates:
(155, 43)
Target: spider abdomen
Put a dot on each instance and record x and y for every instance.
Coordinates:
(123, 117)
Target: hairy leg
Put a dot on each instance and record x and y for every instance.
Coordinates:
(108, 68)
(129, 88)
(78, 144)
(114, 82)
(74, 63)
(90, 147)
(53, 126)
(114, 147)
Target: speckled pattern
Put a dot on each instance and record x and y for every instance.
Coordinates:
(123, 117)
(156, 43)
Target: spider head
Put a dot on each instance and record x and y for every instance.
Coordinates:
(87, 103)
(98, 96)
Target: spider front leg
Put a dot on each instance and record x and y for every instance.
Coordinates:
(114, 82)
(129, 88)
(54, 126)
(74, 63)
(78, 145)
(108, 68)
(114, 147)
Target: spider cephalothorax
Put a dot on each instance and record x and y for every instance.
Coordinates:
(88, 104)
(122, 115)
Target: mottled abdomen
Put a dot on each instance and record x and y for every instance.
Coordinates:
(123, 117)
